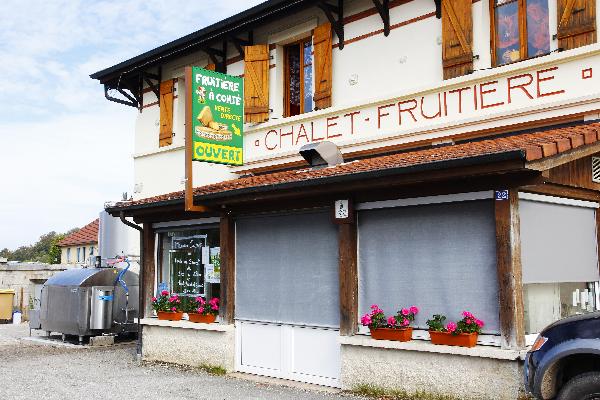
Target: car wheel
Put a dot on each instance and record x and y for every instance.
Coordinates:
(582, 387)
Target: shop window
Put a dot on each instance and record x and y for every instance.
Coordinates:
(298, 77)
(548, 302)
(190, 262)
(438, 257)
(520, 29)
(559, 260)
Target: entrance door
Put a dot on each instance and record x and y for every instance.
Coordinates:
(287, 297)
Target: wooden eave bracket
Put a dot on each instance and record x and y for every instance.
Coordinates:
(337, 20)
(438, 9)
(131, 101)
(218, 57)
(153, 81)
(240, 43)
(383, 7)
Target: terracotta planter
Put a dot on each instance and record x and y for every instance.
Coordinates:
(203, 319)
(448, 339)
(169, 315)
(400, 335)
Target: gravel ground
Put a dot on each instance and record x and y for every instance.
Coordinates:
(30, 370)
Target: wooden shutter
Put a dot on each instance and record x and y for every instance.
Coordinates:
(457, 37)
(166, 113)
(576, 23)
(256, 83)
(210, 67)
(322, 65)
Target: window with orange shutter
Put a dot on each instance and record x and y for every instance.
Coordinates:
(520, 30)
(298, 95)
(576, 23)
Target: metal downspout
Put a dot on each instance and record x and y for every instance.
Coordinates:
(140, 280)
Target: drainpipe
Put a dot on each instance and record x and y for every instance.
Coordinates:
(140, 281)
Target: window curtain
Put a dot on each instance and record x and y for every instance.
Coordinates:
(441, 258)
(287, 269)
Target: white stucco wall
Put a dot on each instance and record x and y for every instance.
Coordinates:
(408, 60)
(193, 347)
(465, 377)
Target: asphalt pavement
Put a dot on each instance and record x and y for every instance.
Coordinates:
(30, 369)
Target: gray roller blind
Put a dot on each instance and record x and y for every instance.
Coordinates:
(558, 243)
(441, 258)
(287, 269)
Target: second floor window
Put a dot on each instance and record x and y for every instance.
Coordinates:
(520, 30)
(298, 78)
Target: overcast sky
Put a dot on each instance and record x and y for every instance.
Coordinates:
(65, 149)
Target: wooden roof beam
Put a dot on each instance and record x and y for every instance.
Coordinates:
(337, 20)
(383, 8)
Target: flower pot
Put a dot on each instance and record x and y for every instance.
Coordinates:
(448, 339)
(400, 335)
(203, 319)
(169, 315)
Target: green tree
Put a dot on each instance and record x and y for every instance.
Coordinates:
(45, 250)
(54, 251)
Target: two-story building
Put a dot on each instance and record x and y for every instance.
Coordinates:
(78, 247)
(469, 131)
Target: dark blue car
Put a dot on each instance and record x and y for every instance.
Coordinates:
(564, 362)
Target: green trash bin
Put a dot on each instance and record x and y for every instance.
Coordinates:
(6, 304)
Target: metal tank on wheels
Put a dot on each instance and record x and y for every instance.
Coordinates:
(90, 302)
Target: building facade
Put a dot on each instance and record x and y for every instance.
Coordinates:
(80, 246)
(469, 132)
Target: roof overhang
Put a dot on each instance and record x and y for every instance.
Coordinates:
(223, 30)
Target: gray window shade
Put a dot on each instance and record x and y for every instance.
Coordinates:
(441, 258)
(287, 269)
(558, 243)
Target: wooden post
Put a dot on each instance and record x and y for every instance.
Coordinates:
(348, 265)
(227, 243)
(510, 283)
(147, 283)
(189, 175)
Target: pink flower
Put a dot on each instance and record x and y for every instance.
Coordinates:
(200, 310)
(469, 321)
(374, 307)
(366, 320)
(467, 314)
(154, 299)
(451, 327)
(414, 310)
(215, 307)
(173, 309)
(479, 323)
(405, 322)
(391, 321)
(201, 301)
(214, 300)
(405, 312)
(164, 293)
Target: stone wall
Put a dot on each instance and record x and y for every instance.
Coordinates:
(22, 278)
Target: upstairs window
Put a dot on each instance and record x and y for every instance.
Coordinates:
(520, 30)
(298, 78)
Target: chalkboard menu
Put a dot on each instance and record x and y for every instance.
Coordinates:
(187, 272)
